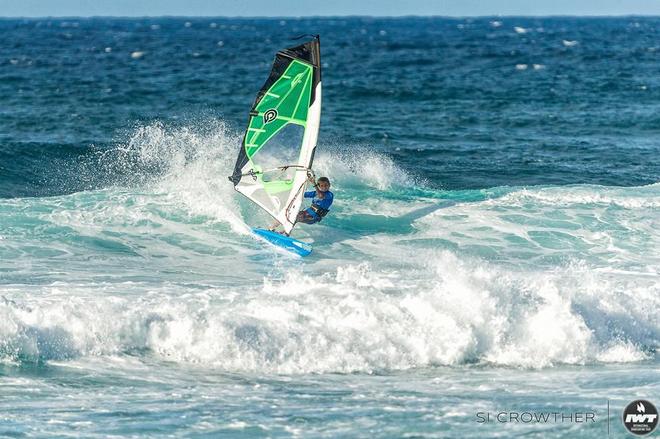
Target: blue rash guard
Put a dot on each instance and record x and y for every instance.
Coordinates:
(323, 203)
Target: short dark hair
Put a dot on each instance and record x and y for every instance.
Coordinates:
(323, 179)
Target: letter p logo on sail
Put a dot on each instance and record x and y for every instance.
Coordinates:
(270, 116)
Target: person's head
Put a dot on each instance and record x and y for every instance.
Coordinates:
(323, 183)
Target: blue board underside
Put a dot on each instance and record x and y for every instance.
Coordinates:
(285, 242)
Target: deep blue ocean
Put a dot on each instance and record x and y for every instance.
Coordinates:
(494, 244)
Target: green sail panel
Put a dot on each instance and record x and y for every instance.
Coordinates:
(286, 112)
(281, 105)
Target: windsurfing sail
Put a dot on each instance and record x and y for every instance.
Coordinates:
(278, 146)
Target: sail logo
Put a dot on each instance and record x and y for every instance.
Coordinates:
(640, 417)
(297, 79)
(270, 116)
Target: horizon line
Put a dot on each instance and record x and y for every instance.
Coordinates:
(298, 17)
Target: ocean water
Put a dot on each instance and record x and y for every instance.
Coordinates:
(493, 246)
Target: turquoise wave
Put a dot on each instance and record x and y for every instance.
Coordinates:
(507, 276)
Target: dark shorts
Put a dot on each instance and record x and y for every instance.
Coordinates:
(308, 216)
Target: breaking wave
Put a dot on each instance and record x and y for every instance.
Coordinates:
(403, 275)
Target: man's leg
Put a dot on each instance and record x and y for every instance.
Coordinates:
(305, 217)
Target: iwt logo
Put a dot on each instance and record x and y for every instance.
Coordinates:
(640, 417)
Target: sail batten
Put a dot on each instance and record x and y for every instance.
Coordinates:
(287, 109)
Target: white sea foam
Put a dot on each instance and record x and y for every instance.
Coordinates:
(648, 197)
(194, 165)
(363, 166)
(358, 318)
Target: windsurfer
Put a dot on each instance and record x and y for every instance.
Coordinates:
(322, 199)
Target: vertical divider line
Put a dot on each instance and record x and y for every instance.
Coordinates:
(608, 418)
